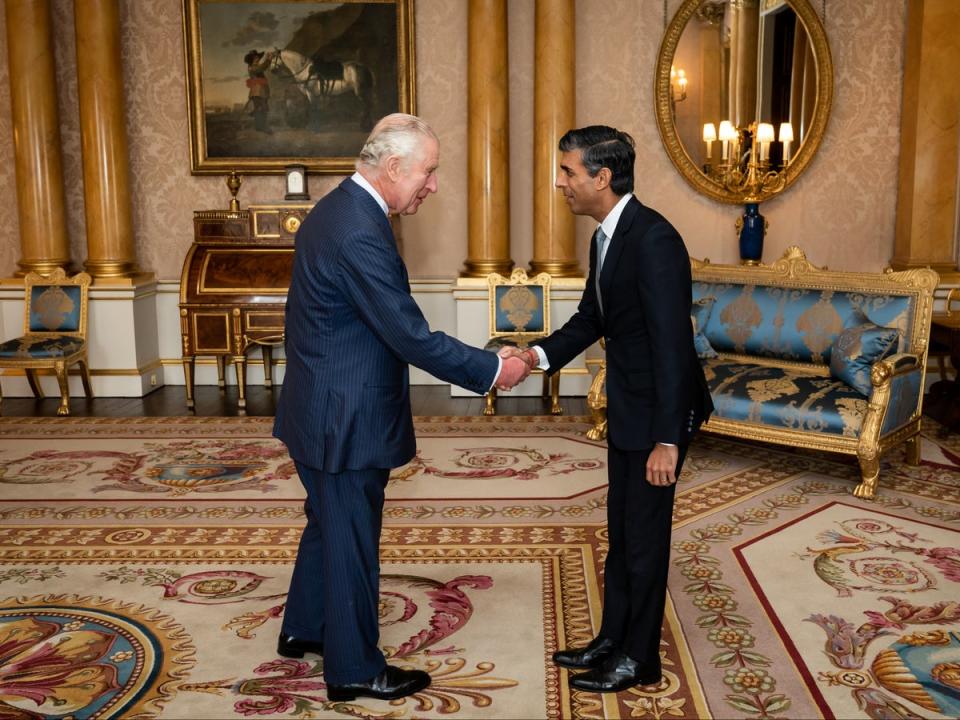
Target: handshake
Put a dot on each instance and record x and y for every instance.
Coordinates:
(517, 365)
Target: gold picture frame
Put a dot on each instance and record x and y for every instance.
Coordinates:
(295, 82)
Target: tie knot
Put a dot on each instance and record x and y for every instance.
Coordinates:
(600, 235)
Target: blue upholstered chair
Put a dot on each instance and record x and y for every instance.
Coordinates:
(519, 311)
(54, 332)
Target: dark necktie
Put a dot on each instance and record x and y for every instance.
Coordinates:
(601, 240)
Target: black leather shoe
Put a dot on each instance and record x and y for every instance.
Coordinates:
(591, 656)
(390, 684)
(293, 647)
(616, 673)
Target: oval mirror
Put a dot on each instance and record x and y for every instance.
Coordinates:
(743, 91)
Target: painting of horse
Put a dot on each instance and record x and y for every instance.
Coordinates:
(276, 83)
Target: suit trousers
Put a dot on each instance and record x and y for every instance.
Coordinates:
(639, 521)
(335, 589)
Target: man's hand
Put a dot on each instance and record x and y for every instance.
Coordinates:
(529, 356)
(513, 372)
(662, 465)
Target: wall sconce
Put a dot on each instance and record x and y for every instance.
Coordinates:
(678, 87)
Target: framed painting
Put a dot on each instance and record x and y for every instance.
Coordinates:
(299, 82)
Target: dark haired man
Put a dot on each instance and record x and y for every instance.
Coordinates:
(638, 297)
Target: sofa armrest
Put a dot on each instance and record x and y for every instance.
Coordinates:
(883, 371)
(897, 390)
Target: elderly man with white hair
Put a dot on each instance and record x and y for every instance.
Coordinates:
(352, 329)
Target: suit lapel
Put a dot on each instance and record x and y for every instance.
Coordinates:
(617, 243)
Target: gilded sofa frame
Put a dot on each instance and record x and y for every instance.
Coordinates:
(795, 271)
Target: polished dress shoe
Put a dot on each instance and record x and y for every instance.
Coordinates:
(618, 672)
(390, 684)
(293, 647)
(591, 656)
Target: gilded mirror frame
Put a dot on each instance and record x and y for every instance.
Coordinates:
(665, 123)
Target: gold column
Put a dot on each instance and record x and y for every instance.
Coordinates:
(554, 112)
(36, 138)
(488, 149)
(927, 194)
(103, 137)
(744, 29)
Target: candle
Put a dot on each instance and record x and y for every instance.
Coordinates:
(726, 134)
(709, 135)
(765, 137)
(786, 137)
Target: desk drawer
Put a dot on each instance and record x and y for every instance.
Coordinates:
(211, 332)
(254, 320)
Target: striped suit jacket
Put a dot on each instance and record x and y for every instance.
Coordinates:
(352, 328)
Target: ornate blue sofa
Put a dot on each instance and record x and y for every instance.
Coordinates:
(807, 357)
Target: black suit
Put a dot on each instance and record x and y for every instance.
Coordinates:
(656, 392)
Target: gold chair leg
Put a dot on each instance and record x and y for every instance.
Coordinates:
(85, 377)
(555, 408)
(491, 407)
(267, 365)
(34, 383)
(221, 381)
(240, 363)
(61, 370)
(597, 402)
(913, 450)
(869, 475)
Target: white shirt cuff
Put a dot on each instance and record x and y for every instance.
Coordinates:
(543, 363)
(497, 376)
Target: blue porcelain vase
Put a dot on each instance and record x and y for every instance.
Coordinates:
(751, 234)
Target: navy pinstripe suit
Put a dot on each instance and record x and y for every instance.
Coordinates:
(352, 328)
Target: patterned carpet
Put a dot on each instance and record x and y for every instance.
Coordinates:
(144, 564)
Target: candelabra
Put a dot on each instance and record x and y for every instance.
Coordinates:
(748, 174)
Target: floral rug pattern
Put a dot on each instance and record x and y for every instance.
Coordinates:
(144, 566)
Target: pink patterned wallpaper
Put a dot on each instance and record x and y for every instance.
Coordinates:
(841, 211)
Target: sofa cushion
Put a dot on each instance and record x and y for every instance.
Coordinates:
(786, 398)
(855, 351)
(699, 316)
(799, 324)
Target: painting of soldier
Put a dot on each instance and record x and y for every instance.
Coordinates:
(271, 83)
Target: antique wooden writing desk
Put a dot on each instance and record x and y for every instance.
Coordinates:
(233, 288)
